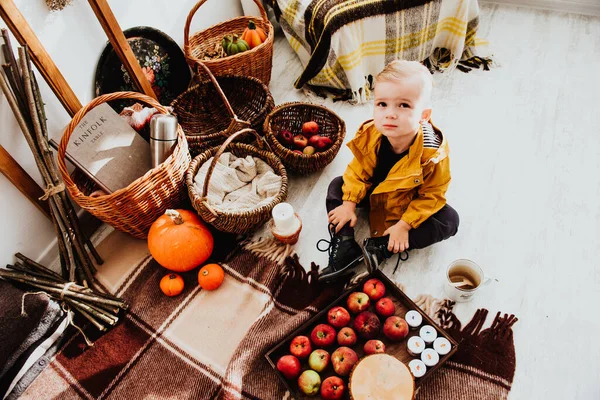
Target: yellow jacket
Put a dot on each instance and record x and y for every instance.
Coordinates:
(414, 189)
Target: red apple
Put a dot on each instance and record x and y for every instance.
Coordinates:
(321, 143)
(322, 335)
(374, 346)
(346, 337)
(289, 366)
(286, 138)
(357, 302)
(300, 346)
(395, 328)
(343, 360)
(318, 360)
(310, 128)
(297, 151)
(367, 325)
(338, 317)
(374, 288)
(309, 382)
(385, 307)
(300, 142)
(332, 388)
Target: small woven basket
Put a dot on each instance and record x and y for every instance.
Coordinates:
(134, 208)
(291, 116)
(256, 62)
(210, 111)
(234, 221)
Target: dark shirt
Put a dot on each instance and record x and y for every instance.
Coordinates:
(386, 159)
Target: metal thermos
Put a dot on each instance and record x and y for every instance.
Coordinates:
(163, 137)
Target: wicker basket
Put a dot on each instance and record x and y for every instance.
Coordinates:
(234, 221)
(291, 116)
(215, 108)
(134, 208)
(256, 62)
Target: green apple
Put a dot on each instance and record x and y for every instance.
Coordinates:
(318, 360)
(309, 382)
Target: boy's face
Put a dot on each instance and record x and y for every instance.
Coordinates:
(399, 107)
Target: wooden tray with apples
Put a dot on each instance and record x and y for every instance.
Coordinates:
(317, 359)
(306, 137)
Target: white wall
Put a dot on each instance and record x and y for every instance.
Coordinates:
(74, 39)
(587, 7)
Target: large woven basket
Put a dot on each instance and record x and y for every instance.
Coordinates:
(234, 221)
(134, 208)
(291, 116)
(217, 107)
(256, 62)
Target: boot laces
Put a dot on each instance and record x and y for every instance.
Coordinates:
(333, 244)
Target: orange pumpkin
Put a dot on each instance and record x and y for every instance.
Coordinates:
(179, 240)
(253, 35)
(171, 284)
(211, 276)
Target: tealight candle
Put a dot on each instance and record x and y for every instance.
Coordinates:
(442, 346)
(430, 357)
(415, 346)
(285, 219)
(428, 333)
(414, 319)
(417, 367)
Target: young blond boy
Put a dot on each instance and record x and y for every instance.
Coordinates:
(400, 170)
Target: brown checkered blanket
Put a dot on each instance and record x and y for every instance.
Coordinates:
(211, 345)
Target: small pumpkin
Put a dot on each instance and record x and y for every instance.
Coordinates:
(237, 45)
(253, 35)
(179, 240)
(211, 276)
(171, 284)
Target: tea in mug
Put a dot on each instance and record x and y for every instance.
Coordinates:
(459, 273)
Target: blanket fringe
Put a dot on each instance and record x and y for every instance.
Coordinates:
(270, 248)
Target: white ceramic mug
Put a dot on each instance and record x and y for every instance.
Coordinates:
(473, 272)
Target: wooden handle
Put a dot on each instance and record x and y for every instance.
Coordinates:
(121, 45)
(217, 155)
(188, 22)
(220, 91)
(22, 181)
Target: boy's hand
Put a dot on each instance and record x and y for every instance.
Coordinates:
(398, 236)
(343, 214)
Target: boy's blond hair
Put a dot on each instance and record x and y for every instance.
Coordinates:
(399, 70)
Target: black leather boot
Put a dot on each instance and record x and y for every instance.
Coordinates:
(344, 255)
(375, 252)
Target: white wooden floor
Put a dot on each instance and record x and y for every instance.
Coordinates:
(525, 153)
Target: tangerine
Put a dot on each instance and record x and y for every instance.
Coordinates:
(211, 276)
(171, 284)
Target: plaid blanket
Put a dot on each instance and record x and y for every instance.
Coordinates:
(343, 44)
(211, 345)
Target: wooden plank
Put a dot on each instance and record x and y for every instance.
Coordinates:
(25, 36)
(22, 181)
(121, 46)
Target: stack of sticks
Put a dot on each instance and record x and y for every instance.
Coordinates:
(22, 92)
(100, 309)
(73, 286)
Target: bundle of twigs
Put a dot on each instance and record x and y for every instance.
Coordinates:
(100, 309)
(22, 91)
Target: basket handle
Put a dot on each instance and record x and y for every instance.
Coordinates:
(217, 155)
(64, 141)
(188, 22)
(220, 91)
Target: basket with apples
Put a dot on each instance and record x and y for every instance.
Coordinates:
(322, 357)
(306, 137)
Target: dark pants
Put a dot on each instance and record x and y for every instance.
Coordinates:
(440, 226)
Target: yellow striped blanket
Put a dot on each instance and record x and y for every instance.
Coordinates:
(343, 44)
